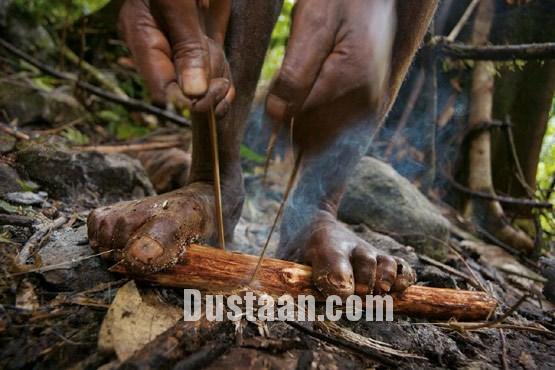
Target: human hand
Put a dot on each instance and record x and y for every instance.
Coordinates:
(338, 55)
(177, 47)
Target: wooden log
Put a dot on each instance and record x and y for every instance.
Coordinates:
(214, 270)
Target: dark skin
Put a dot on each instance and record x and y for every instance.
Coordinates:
(337, 73)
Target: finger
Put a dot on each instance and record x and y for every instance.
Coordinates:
(216, 18)
(180, 20)
(386, 273)
(223, 106)
(149, 47)
(364, 270)
(312, 36)
(217, 91)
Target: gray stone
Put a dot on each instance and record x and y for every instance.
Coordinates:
(9, 179)
(7, 143)
(380, 198)
(89, 176)
(67, 251)
(28, 104)
(26, 198)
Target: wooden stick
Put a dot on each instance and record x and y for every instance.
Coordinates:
(290, 184)
(215, 270)
(128, 148)
(216, 174)
(457, 50)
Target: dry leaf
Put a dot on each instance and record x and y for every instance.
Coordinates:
(26, 299)
(134, 320)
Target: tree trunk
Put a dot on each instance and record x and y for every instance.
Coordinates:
(487, 214)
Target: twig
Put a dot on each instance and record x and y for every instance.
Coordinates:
(520, 173)
(503, 354)
(450, 270)
(130, 103)
(472, 272)
(16, 220)
(62, 264)
(373, 354)
(290, 184)
(496, 52)
(38, 237)
(98, 75)
(462, 21)
(12, 132)
(498, 198)
(126, 148)
(538, 279)
(216, 177)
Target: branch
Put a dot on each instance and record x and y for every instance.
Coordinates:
(457, 50)
(130, 103)
(499, 198)
(216, 270)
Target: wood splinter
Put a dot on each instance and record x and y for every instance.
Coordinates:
(215, 270)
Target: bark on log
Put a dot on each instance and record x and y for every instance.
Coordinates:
(214, 270)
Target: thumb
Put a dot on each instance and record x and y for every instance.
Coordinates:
(180, 20)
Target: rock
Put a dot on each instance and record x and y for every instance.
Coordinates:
(7, 143)
(9, 180)
(380, 198)
(547, 268)
(64, 249)
(27, 198)
(29, 104)
(90, 176)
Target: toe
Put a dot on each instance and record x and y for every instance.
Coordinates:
(364, 270)
(333, 275)
(405, 276)
(386, 273)
(99, 229)
(155, 246)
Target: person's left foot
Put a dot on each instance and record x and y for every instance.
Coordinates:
(342, 263)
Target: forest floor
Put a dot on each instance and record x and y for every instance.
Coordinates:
(52, 311)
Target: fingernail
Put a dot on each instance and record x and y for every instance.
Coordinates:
(277, 108)
(193, 81)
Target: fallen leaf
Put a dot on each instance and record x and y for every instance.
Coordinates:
(26, 299)
(133, 320)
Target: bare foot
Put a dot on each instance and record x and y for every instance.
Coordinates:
(152, 234)
(343, 263)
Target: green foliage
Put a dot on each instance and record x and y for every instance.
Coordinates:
(251, 155)
(75, 136)
(58, 12)
(546, 171)
(280, 36)
(121, 125)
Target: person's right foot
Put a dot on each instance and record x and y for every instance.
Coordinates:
(152, 234)
(342, 263)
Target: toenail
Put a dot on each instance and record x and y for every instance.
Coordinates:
(339, 282)
(145, 249)
(384, 286)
